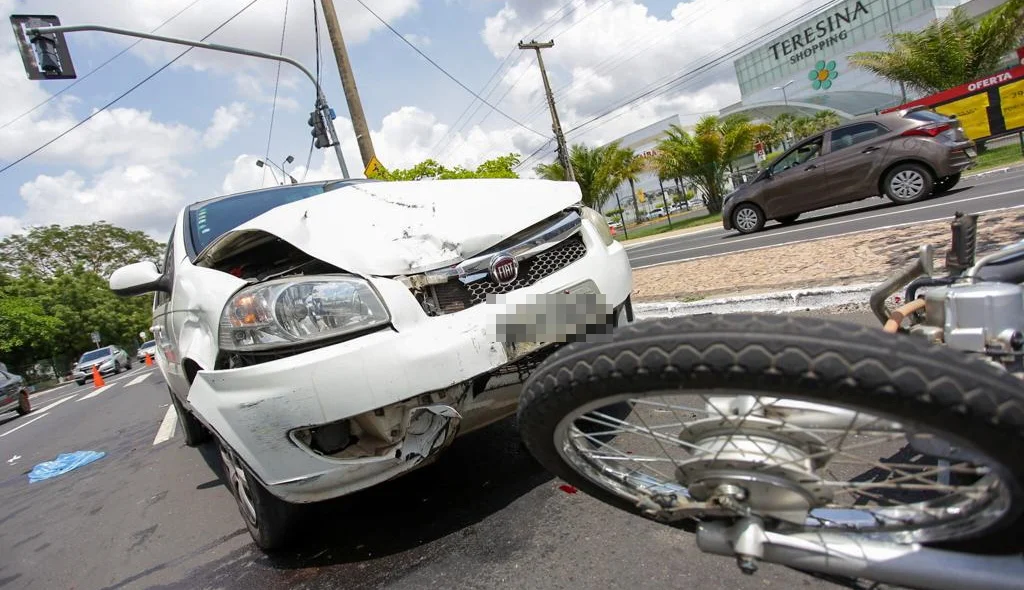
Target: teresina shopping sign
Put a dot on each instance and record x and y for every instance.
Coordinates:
(833, 28)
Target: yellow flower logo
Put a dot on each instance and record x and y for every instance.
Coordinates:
(822, 75)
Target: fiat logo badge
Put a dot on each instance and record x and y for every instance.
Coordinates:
(503, 269)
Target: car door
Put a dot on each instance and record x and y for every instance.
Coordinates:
(857, 155)
(163, 325)
(8, 387)
(797, 182)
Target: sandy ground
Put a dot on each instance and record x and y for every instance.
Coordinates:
(861, 258)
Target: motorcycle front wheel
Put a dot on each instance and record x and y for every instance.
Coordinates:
(810, 424)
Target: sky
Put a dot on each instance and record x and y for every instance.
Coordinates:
(196, 129)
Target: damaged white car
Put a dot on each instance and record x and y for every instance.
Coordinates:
(334, 335)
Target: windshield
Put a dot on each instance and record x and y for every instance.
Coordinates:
(211, 219)
(149, 344)
(94, 354)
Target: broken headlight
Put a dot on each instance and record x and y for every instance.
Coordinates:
(285, 312)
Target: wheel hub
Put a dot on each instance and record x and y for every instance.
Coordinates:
(773, 466)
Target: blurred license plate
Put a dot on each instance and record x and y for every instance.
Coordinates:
(971, 152)
(517, 347)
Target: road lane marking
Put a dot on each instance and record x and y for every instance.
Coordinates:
(819, 226)
(57, 403)
(795, 242)
(137, 380)
(23, 425)
(95, 393)
(166, 430)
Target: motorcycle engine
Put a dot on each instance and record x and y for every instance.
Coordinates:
(982, 318)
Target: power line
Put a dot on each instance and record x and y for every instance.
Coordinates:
(444, 71)
(96, 69)
(316, 39)
(125, 93)
(277, 85)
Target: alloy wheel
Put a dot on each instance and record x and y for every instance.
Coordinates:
(747, 219)
(907, 184)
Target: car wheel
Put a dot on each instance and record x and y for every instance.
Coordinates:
(747, 218)
(80, 382)
(945, 183)
(129, 366)
(270, 520)
(788, 219)
(195, 433)
(24, 405)
(908, 183)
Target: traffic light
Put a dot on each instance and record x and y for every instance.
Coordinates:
(319, 130)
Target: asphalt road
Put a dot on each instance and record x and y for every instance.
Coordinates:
(998, 190)
(157, 516)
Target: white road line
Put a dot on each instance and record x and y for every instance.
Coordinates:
(137, 380)
(818, 226)
(95, 393)
(23, 425)
(56, 403)
(166, 430)
(850, 233)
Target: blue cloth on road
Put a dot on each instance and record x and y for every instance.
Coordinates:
(62, 464)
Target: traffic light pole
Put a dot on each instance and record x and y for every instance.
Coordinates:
(322, 109)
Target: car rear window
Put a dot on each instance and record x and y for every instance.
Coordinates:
(94, 354)
(927, 116)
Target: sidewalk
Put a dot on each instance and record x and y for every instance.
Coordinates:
(864, 257)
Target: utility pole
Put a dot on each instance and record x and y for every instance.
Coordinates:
(563, 151)
(348, 84)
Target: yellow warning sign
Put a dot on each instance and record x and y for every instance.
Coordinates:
(373, 168)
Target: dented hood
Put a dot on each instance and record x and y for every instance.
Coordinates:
(398, 228)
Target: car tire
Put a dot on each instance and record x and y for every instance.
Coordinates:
(129, 366)
(195, 433)
(907, 183)
(788, 219)
(80, 382)
(24, 404)
(945, 183)
(271, 521)
(747, 218)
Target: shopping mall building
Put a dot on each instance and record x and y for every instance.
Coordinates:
(806, 69)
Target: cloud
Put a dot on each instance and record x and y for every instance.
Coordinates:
(137, 196)
(226, 119)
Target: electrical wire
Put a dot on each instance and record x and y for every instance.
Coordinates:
(83, 77)
(316, 38)
(445, 72)
(277, 86)
(123, 94)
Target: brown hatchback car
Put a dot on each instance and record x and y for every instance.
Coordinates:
(906, 156)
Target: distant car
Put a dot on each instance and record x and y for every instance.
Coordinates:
(906, 156)
(659, 212)
(147, 347)
(110, 360)
(13, 393)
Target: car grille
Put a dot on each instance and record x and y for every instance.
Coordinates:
(456, 296)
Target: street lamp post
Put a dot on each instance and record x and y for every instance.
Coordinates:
(783, 89)
(288, 160)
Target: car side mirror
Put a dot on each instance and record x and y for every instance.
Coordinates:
(138, 279)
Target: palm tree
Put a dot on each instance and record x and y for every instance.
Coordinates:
(825, 119)
(706, 155)
(590, 169)
(622, 165)
(948, 52)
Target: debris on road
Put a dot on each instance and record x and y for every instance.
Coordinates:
(62, 464)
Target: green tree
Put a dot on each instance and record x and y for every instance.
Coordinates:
(98, 247)
(948, 52)
(622, 165)
(705, 157)
(591, 169)
(499, 167)
(825, 119)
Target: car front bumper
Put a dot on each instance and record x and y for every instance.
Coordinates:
(85, 376)
(431, 377)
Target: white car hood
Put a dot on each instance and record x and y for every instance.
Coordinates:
(398, 228)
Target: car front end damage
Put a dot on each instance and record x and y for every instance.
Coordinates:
(439, 353)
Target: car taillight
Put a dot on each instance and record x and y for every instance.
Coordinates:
(927, 130)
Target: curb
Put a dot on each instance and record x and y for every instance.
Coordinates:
(777, 302)
(994, 171)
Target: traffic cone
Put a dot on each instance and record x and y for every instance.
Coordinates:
(149, 360)
(97, 379)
